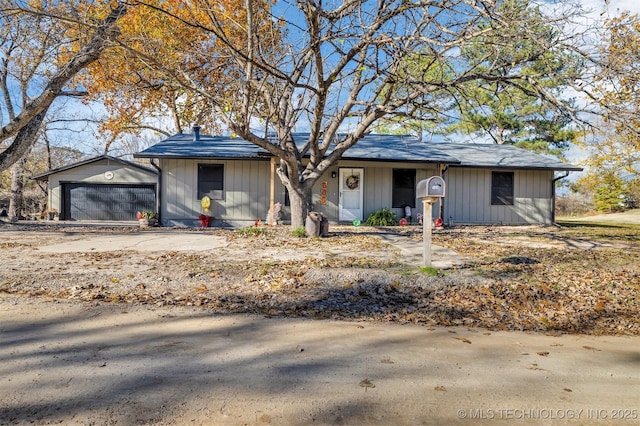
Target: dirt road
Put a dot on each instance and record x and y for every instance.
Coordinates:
(120, 364)
(73, 352)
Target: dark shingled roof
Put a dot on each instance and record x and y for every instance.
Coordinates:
(397, 148)
(401, 148)
(182, 145)
(371, 148)
(502, 156)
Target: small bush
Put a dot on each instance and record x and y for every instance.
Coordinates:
(299, 232)
(429, 270)
(383, 217)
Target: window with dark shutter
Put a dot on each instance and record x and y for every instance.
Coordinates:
(501, 188)
(210, 181)
(404, 188)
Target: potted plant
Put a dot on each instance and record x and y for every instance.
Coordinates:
(51, 214)
(147, 218)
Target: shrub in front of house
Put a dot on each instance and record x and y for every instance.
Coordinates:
(383, 217)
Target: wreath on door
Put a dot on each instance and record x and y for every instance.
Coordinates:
(352, 182)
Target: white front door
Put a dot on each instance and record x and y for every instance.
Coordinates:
(350, 202)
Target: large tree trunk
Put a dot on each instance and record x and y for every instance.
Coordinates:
(16, 197)
(299, 193)
(300, 201)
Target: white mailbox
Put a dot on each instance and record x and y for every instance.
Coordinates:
(432, 187)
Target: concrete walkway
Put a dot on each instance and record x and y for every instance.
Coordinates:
(152, 240)
(412, 252)
(159, 239)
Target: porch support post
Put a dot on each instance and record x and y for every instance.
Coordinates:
(272, 189)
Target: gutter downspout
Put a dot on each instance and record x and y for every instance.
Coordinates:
(159, 189)
(553, 196)
(443, 170)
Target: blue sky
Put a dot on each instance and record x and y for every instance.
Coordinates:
(84, 135)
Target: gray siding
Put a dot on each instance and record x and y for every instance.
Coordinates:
(377, 190)
(246, 193)
(468, 198)
(245, 196)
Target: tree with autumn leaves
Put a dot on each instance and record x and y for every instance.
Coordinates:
(40, 54)
(257, 68)
(142, 82)
(613, 147)
(76, 35)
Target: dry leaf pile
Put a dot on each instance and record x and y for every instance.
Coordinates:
(528, 278)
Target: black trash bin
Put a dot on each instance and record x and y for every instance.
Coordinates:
(324, 226)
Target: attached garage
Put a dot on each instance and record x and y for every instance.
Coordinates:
(101, 189)
(106, 202)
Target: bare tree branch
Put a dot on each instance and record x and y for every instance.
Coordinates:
(31, 116)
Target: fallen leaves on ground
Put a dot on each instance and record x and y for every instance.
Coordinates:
(549, 287)
(366, 383)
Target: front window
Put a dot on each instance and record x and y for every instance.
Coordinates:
(404, 188)
(210, 181)
(502, 188)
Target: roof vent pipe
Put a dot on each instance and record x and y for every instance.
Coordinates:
(196, 133)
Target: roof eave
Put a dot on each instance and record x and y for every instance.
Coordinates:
(403, 160)
(46, 174)
(200, 157)
(515, 167)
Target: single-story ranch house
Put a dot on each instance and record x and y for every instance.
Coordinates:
(485, 183)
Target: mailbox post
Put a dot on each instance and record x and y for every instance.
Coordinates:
(429, 190)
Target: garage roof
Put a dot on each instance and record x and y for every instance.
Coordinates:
(45, 175)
